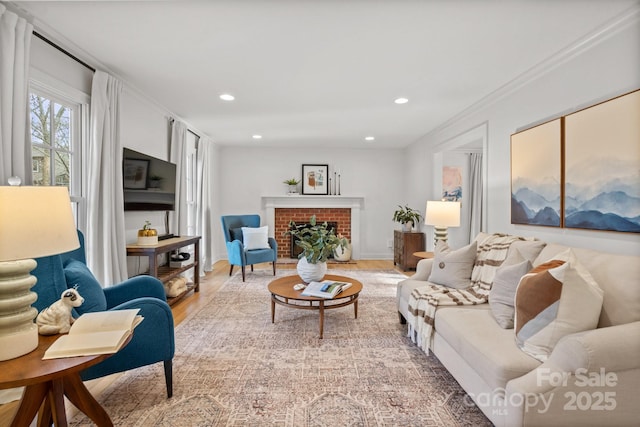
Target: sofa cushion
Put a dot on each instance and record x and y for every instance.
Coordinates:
(555, 301)
(78, 275)
(528, 249)
(453, 268)
(503, 291)
(487, 348)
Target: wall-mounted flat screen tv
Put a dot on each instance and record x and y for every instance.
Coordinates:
(149, 183)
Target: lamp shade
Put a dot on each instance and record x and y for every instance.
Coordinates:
(35, 222)
(442, 214)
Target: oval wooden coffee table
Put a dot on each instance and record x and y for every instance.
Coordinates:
(282, 293)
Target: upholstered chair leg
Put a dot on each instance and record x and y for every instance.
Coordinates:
(230, 269)
(274, 268)
(252, 268)
(168, 376)
(243, 269)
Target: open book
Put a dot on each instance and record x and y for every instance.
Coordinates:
(325, 289)
(101, 332)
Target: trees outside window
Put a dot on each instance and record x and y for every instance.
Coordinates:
(51, 123)
(58, 131)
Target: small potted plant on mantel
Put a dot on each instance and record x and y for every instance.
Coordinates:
(293, 185)
(317, 242)
(407, 217)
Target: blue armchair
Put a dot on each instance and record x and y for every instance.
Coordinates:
(236, 252)
(153, 340)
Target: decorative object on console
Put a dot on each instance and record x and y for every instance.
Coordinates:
(442, 215)
(293, 185)
(147, 235)
(318, 242)
(57, 318)
(407, 216)
(536, 175)
(34, 222)
(315, 179)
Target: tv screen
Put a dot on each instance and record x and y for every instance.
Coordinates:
(149, 183)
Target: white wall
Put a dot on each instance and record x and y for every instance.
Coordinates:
(248, 173)
(584, 76)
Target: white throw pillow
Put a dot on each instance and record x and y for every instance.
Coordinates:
(255, 238)
(453, 268)
(550, 303)
(503, 290)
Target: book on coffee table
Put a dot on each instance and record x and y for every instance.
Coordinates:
(100, 332)
(325, 289)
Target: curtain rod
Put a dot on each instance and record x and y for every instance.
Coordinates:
(66, 52)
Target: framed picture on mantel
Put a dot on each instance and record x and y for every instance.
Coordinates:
(315, 179)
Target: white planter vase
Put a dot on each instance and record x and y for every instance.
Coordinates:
(311, 272)
(407, 226)
(340, 254)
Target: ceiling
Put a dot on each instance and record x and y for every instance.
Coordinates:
(318, 73)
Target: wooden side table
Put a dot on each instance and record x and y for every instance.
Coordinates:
(423, 255)
(47, 383)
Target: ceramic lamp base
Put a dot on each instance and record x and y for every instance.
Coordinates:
(440, 234)
(18, 333)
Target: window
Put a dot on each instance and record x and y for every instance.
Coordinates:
(56, 141)
(51, 139)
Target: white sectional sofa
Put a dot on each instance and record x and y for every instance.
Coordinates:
(591, 378)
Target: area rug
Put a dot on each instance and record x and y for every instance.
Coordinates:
(233, 367)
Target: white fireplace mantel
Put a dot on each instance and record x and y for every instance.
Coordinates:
(355, 203)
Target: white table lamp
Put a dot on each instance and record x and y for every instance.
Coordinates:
(442, 215)
(34, 222)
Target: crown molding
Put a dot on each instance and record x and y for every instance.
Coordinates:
(610, 28)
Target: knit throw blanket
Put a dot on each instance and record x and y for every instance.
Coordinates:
(424, 301)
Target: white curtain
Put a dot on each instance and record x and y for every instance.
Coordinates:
(204, 203)
(475, 194)
(15, 140)
(105, 237)
(179, 216)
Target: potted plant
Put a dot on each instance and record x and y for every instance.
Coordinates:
(342, 252)
(154, 181)
(317, 242)
(293, 185)
(407, 217)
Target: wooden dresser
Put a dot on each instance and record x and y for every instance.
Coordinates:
(404, 245)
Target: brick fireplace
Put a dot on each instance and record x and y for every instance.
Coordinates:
(341, 209)
(340, 216)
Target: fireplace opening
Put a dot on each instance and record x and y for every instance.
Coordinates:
(297, 250)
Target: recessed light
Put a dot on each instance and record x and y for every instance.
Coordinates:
(257, 136)
(369, 138)
(401, 101)
(227, 97)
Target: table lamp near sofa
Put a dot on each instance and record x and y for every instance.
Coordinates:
(34, 222)
(441, 215)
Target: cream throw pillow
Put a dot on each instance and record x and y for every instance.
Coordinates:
(560, 300)
(503, 291)
(255, 238)
(453, 268)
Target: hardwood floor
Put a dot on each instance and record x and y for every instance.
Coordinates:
(193, 302)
